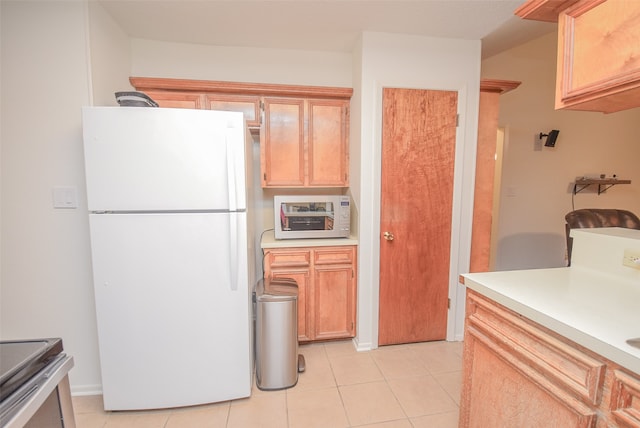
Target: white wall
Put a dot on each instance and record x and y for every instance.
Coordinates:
(236, 64)
(536, 189)
(400, 61)
(355, 141)
(110, 57)
(46, 287)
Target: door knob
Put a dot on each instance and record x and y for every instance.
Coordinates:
(388, 236)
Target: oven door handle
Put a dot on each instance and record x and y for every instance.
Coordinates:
(21, 405)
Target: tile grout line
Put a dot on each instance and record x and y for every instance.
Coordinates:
(335, 381)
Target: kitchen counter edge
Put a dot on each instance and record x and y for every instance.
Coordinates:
(548, 297)
(268, 241)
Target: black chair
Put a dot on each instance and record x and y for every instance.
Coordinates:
(598, 217)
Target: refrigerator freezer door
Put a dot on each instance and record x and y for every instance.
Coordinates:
(162, 159)
(173, 308)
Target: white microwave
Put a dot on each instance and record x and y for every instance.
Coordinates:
(318, 216)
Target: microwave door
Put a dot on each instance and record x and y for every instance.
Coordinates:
(308, 223)
(313, 216)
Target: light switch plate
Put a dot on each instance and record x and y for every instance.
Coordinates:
(65, 197)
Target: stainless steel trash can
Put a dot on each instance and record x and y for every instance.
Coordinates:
(276, 333)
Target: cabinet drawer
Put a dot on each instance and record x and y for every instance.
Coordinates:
(288, 259)
(334, 256)
(533, 350)
(625, 399)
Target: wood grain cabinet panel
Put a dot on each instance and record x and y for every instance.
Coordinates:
(289, 258)
(625, 399)
(328, 131)
(304, 143)
(282, 147)
(246, 104)
(334, 255)
(295, 264)
(518, 373)
(505, 395)
(334, 292)
(177, 99)
(302, 277)
(598, 67)
(326, 279)
(599, 56)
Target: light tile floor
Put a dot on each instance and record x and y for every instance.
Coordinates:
(403, 386)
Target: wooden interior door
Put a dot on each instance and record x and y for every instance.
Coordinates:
(418, 150)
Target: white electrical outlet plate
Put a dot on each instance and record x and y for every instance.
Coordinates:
(631, 258)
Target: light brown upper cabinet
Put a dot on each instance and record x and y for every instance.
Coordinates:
(282, 143)
(328, 149)
(598, 67)
(246, 104)
(304, 143)
(177, 99)
(304, 130)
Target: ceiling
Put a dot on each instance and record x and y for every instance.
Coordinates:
(325, 25)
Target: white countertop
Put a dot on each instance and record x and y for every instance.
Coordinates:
(597, 310)
(269, 241)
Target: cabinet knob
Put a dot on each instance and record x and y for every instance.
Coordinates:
(388, 236)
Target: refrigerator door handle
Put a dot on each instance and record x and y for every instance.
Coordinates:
(231, 174)
(233, 252)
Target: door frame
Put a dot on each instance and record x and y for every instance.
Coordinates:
(462, 214)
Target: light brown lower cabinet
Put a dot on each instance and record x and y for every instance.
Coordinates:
(326, 278)
(519, 374)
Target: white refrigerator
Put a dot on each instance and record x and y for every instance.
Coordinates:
(169, 200)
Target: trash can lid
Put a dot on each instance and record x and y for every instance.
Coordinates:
(276, 289)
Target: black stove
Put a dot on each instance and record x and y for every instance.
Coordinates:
(20, 360)
(30, 371)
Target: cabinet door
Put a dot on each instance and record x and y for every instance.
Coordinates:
(328, 130)
(625, 396)
(248, 105)
(282, 143)
(177, 99)
(334, 292)
(517, 375)
(295, 264)
(597, 51)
